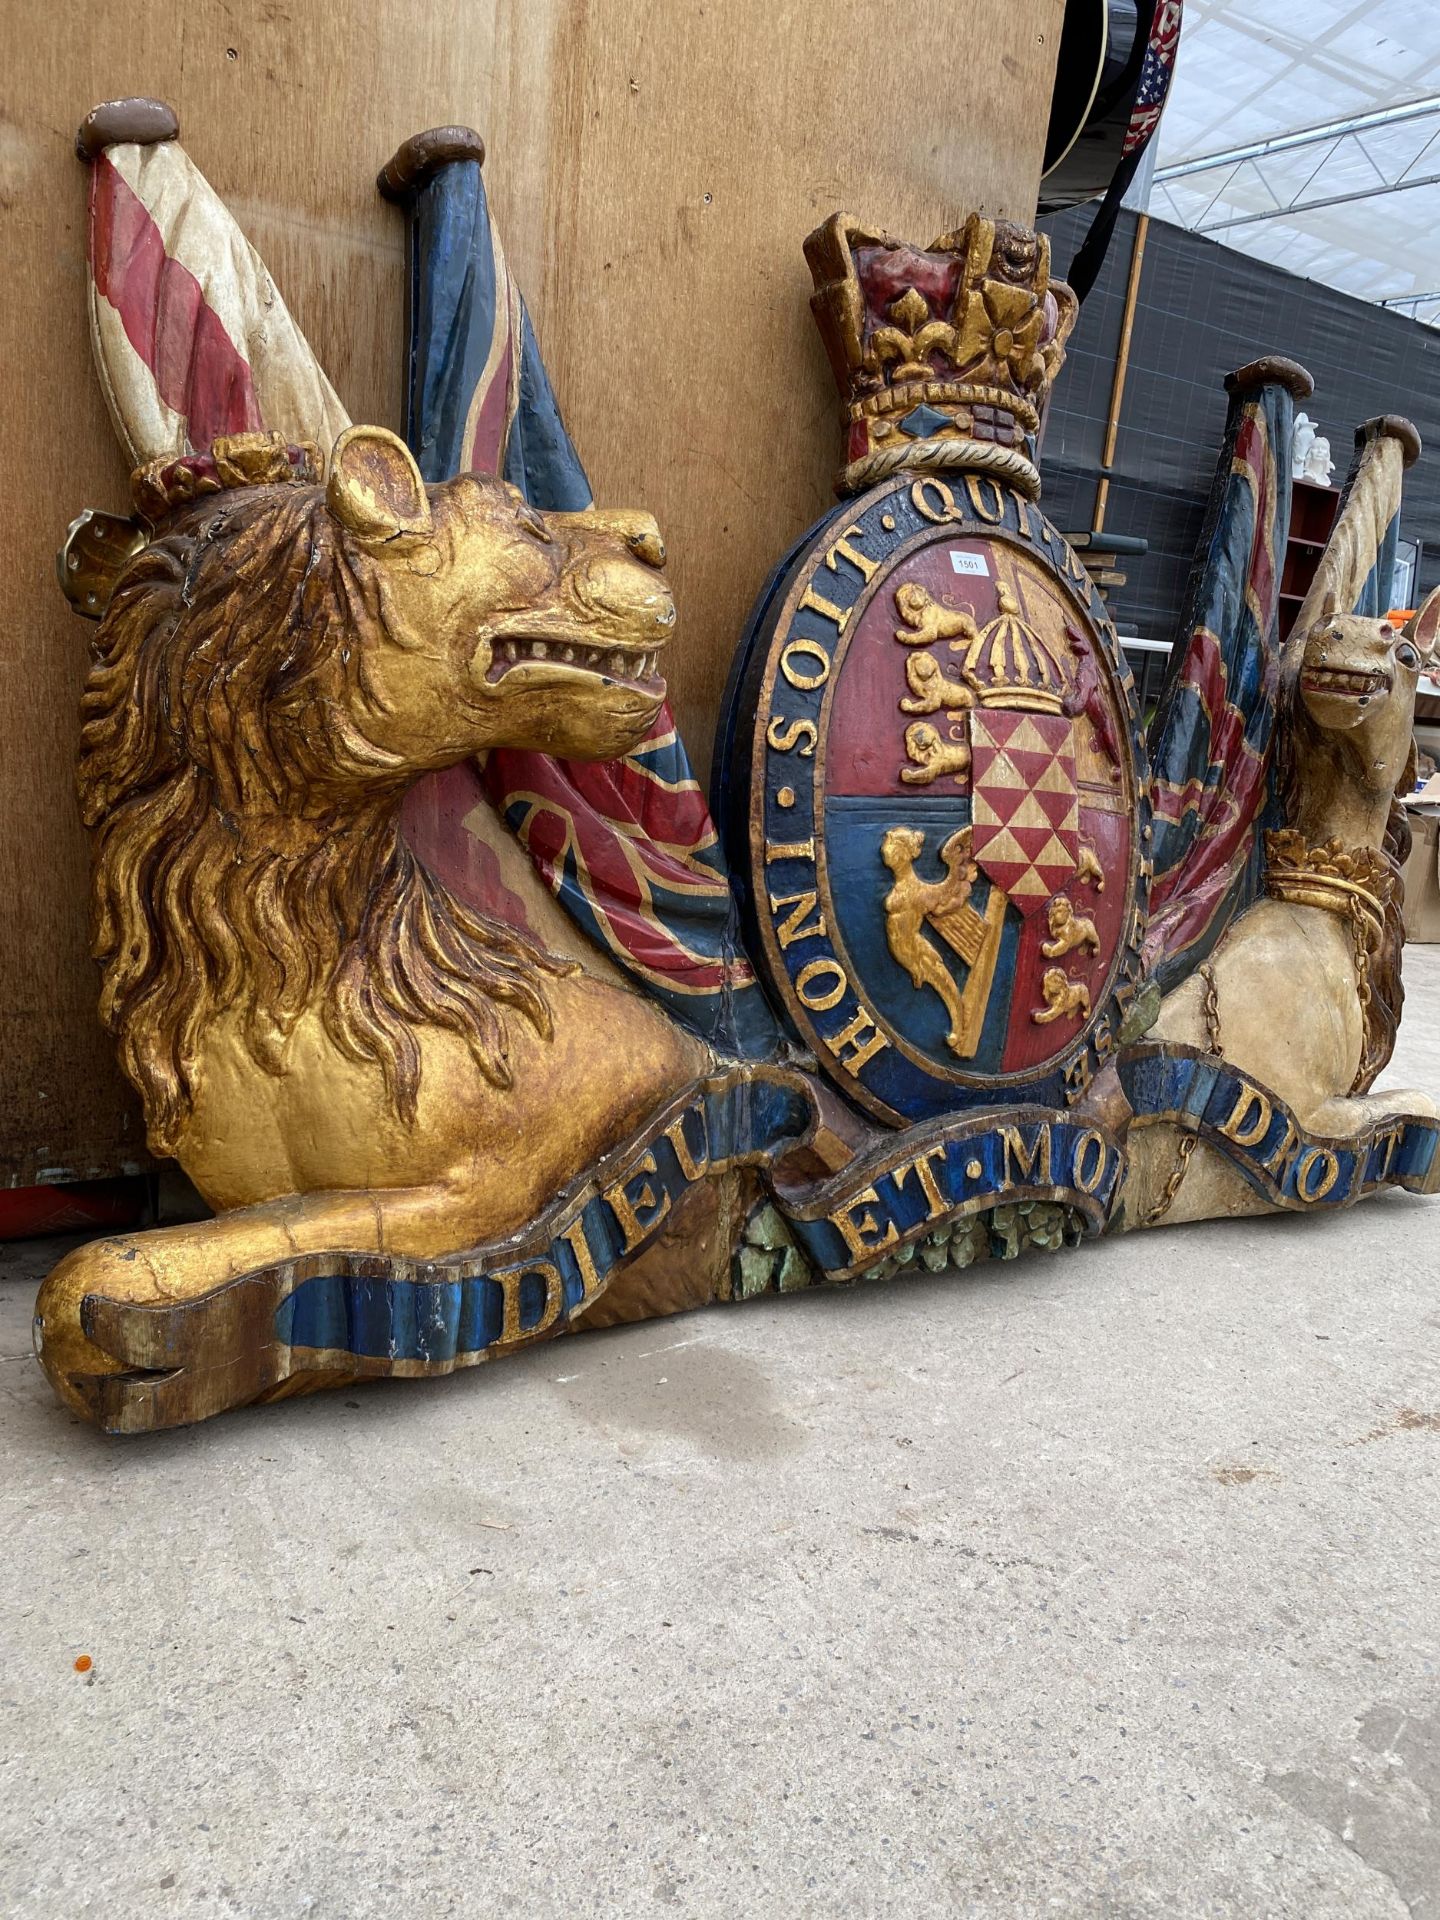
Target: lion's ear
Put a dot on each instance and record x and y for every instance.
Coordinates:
(375, 487)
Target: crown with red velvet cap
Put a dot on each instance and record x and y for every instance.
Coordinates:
(943, 354)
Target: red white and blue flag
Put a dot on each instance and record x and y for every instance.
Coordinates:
(1157, 69)
(191, 337)
(1212, 738)
(192, 340)
(627, 846)
(1212, 741)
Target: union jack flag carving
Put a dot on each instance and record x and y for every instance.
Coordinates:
(628, 847)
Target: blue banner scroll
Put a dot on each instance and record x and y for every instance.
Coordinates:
(1256, 1130)
(931, 1176)
(421, 1317)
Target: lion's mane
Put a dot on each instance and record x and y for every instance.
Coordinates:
(222, 726)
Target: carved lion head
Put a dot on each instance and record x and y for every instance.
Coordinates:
(275, 667)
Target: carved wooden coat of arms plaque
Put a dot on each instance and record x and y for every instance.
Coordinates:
(947, 840)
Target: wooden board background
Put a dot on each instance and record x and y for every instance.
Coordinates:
(655, 165)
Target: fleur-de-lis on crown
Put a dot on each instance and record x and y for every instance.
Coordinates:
(914, 337)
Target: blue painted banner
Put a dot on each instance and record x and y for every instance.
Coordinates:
(932, 1176)
(432, 1316)
(451, 1312)
(1256, 1130)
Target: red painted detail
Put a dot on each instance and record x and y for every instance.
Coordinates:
(1028, 1045)
(624, 835)
(1026, 811)
(487, 445)
(1186, 896)
(1086, 699)
(198, 369)
(885, 273)
(433, 822)
(1252, 444)
(486, 451)
(27, 1212)
(865, 745)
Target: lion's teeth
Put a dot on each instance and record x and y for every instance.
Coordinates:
(539, 649)
(567, 653)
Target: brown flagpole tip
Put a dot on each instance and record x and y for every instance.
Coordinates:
(413, 163)
(1272, 366)
(119, 123)
(1392, 426)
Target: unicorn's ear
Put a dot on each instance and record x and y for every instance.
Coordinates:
(375, 488)
(1424, 630)
(1410, 778)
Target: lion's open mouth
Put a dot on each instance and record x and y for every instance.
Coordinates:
(1338, 680)
(616, 663)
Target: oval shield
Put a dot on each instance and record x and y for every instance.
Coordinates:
(948, 830)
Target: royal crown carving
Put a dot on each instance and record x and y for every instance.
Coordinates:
(944, 355)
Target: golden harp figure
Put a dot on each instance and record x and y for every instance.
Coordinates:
(945, 905)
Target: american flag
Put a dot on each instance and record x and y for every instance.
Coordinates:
(1156, 72)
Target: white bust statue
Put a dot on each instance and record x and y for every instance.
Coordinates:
(1301, 441)
(1318, 464)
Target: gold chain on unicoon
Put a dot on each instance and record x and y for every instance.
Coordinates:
(1357, 883)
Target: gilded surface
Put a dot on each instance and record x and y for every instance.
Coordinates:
(338, 1052)
(1068, 930)
(950, 371)
(945, 671)
(409, 1114)
(912, 904)
(1065, 999)
(932, 757)
(1327, 938)
(931, 688)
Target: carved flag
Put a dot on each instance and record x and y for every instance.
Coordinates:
(628, 847)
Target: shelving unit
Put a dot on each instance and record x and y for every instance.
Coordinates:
(1312, 515)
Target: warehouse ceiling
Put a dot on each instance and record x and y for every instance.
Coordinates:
(1307, 133)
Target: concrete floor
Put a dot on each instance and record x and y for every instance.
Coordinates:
(1102, 1584)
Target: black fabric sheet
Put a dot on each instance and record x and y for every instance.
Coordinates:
(1202, 311)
